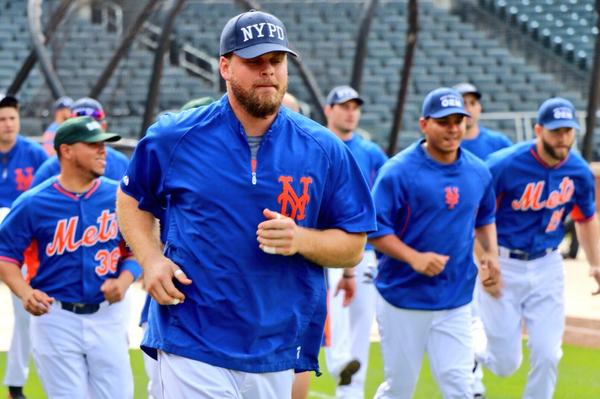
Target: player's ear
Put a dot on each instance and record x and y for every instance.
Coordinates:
(224, 67)
(422, 124)
(538, 129)
(327, 109)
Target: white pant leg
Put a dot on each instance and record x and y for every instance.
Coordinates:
(181, 377)
(57, 343)
(502, 320)
(450, 351)
(362, 312)
(404, 335)
(479, 341)
(106, 347)
(338, 353)
(17, 358)
(151, 369)
(544, 314)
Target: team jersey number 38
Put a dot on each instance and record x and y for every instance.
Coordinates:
(106, 230)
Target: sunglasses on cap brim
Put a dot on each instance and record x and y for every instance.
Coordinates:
(97, 114)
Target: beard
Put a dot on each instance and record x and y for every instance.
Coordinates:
(255, 105)
(552, 152)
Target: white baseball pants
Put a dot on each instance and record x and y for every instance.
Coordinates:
(151, 369)
(83, 356)
(350, 327)
(17, 357)
(181, 377)
(533, 292)
(405, 337)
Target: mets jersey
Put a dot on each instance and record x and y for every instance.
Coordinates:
(534, 198)
(17, 168)
(116, 165)
(487, 142)
(76, 239)
(431, 207)
(245, 310)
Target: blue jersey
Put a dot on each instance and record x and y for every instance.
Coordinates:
(116, 165)
(535, 198)
(246, 310)
(431, 207)
(487, 142)
(370, 159)
(76, 239)
(17, 168)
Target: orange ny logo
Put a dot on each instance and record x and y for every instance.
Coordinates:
(451, 196)
(23, 179)
(289, 198)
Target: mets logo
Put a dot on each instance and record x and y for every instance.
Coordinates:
(23, 178)
(532, 196)
(289, 199)
(451, 196)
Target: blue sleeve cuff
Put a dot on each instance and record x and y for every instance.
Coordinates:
(133, 267)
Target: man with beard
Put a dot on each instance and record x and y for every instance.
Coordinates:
(432, 199)
(79, 342)
(537, 183)
(259, 200)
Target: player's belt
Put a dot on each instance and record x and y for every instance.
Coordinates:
(80, 308)
(522, 255)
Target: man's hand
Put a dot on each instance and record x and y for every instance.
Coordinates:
(37, 302)
(429, 263)
(278, 235)
(348, 285)
(158, 280)
(114, 289)
(489, 274)
(595, 273)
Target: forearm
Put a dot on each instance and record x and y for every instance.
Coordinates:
(139, 228)
(11, 275)
(332, 247)
(588, 235)
(392, 246)
(486, 241)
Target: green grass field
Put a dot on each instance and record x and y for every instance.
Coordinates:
(578, 378)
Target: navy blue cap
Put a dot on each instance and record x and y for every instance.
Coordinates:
(443, 102)
(253, 34)
(556, 113)
(341, 94)
(62, 102)
(467, 88)
(8, 101)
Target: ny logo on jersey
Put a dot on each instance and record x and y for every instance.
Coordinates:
(451, 196)
(289, 198)
(23, 178)
(532, 196)
(64, 234)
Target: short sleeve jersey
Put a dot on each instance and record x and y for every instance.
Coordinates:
(431, 207)
(487, 142)
(245, 310)
(76, 239)
(17, 168)
(534, 198)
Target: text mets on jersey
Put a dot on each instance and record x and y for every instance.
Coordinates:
(532, 196)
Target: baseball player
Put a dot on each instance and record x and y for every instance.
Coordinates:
(79, 339)
(478, 139)
(351, 315)
(538, 183)
(62, 111)
(20, 158)
(116, 162)
(259, 200)
(429, 199)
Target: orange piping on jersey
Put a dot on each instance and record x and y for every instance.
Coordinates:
(327, 327)
(93, 189)
(10, 260)
(544, 164)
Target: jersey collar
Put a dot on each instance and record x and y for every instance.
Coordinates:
(536, 156)
(74, 196)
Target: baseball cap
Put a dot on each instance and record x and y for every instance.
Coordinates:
(252, 34)
(557, 112)
(82, 129)
(341, 94)
(87, 106)
(467, 88)
(6, 100)
(442, 102)
(62, 102)
(197, 102)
